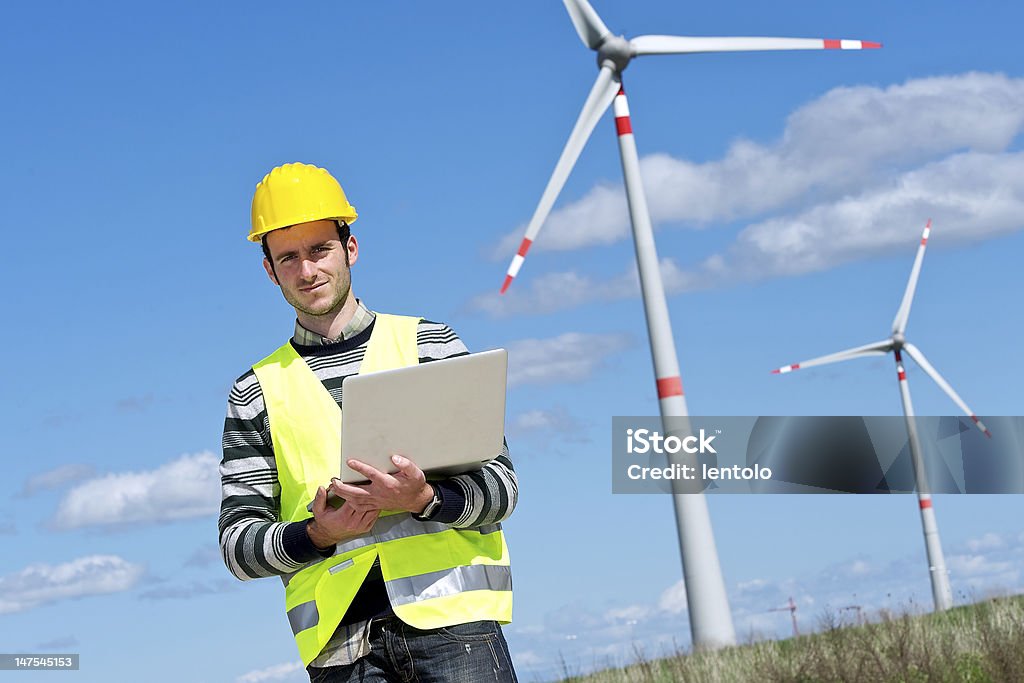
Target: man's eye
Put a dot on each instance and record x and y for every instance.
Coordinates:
(285, 259)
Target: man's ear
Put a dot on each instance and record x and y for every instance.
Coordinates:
(270, 272)
(353, 249)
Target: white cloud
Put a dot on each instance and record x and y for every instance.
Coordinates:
(988, 541)
(535, 296)
(971, 197)
(752, 585)
(673, 599)
(972, 566)
(854, 175)
(555, 292)
(526, 659)
(831, 146)
(627, 614)
(39, 584)
(55, 478)
(183, 488)
(570, 357)
(555, 421)
(279, 672)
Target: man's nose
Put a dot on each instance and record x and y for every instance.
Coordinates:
(307, 269)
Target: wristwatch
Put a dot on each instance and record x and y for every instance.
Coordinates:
(433, 506)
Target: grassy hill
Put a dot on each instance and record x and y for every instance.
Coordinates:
(977, 643)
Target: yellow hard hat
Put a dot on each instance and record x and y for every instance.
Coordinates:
(297, 193)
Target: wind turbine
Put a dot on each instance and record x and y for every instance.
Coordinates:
(710, 621)
(897, 343)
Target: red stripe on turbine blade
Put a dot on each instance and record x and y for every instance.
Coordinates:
(975, 418)
(670, 386)
(623, 126)
(832, 44)
(903, 376)
(525, 246)
(622, 89)
(776, 372)
(870, 46)
(795, 366)
(924, 241)
(925, 503)
(988, 433)
(508, 281)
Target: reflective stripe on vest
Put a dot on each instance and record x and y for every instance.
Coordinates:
(392, 528)
(474, 577)
(303, 616)
(435, 575)
(440, 584)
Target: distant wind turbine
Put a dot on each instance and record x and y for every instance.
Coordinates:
(897, 343)
(710, 621)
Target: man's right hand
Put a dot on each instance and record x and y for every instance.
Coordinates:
(331, 526)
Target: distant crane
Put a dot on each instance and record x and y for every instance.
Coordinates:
(791, 608)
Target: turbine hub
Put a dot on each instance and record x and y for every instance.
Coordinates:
(898, 340)
(617, 50)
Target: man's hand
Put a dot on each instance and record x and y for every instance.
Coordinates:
(331, 526)
(407, 489)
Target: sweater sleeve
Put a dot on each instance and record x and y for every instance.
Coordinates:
(474, 499)
(253, 541)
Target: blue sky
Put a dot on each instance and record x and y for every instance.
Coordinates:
(788, 192)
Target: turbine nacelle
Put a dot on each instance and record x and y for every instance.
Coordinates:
(615, 51)
(897, 342)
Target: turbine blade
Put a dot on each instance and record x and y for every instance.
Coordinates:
(588, 24)
(601, 96)
(919, 358)
(877, 348)
(899, 323)
(675, 45)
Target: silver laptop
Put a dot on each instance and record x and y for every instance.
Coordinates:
(447, 416)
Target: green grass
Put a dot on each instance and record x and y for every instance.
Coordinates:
(980, 643)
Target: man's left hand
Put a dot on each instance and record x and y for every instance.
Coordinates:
(407, 489)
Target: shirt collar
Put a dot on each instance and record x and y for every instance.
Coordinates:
(359, 322)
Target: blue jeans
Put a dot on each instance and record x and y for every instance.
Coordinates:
(466, 653)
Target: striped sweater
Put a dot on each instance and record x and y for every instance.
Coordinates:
(254, 542)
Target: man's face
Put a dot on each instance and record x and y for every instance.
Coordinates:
(311, 267)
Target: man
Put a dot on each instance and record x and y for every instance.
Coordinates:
(407, 579)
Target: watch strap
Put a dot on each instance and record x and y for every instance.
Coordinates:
(432, 507)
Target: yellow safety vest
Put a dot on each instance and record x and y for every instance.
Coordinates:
(435, 575)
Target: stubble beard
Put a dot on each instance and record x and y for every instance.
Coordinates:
(341, 289)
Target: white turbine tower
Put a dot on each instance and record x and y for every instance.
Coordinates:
(897, 343)
(710, 620)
